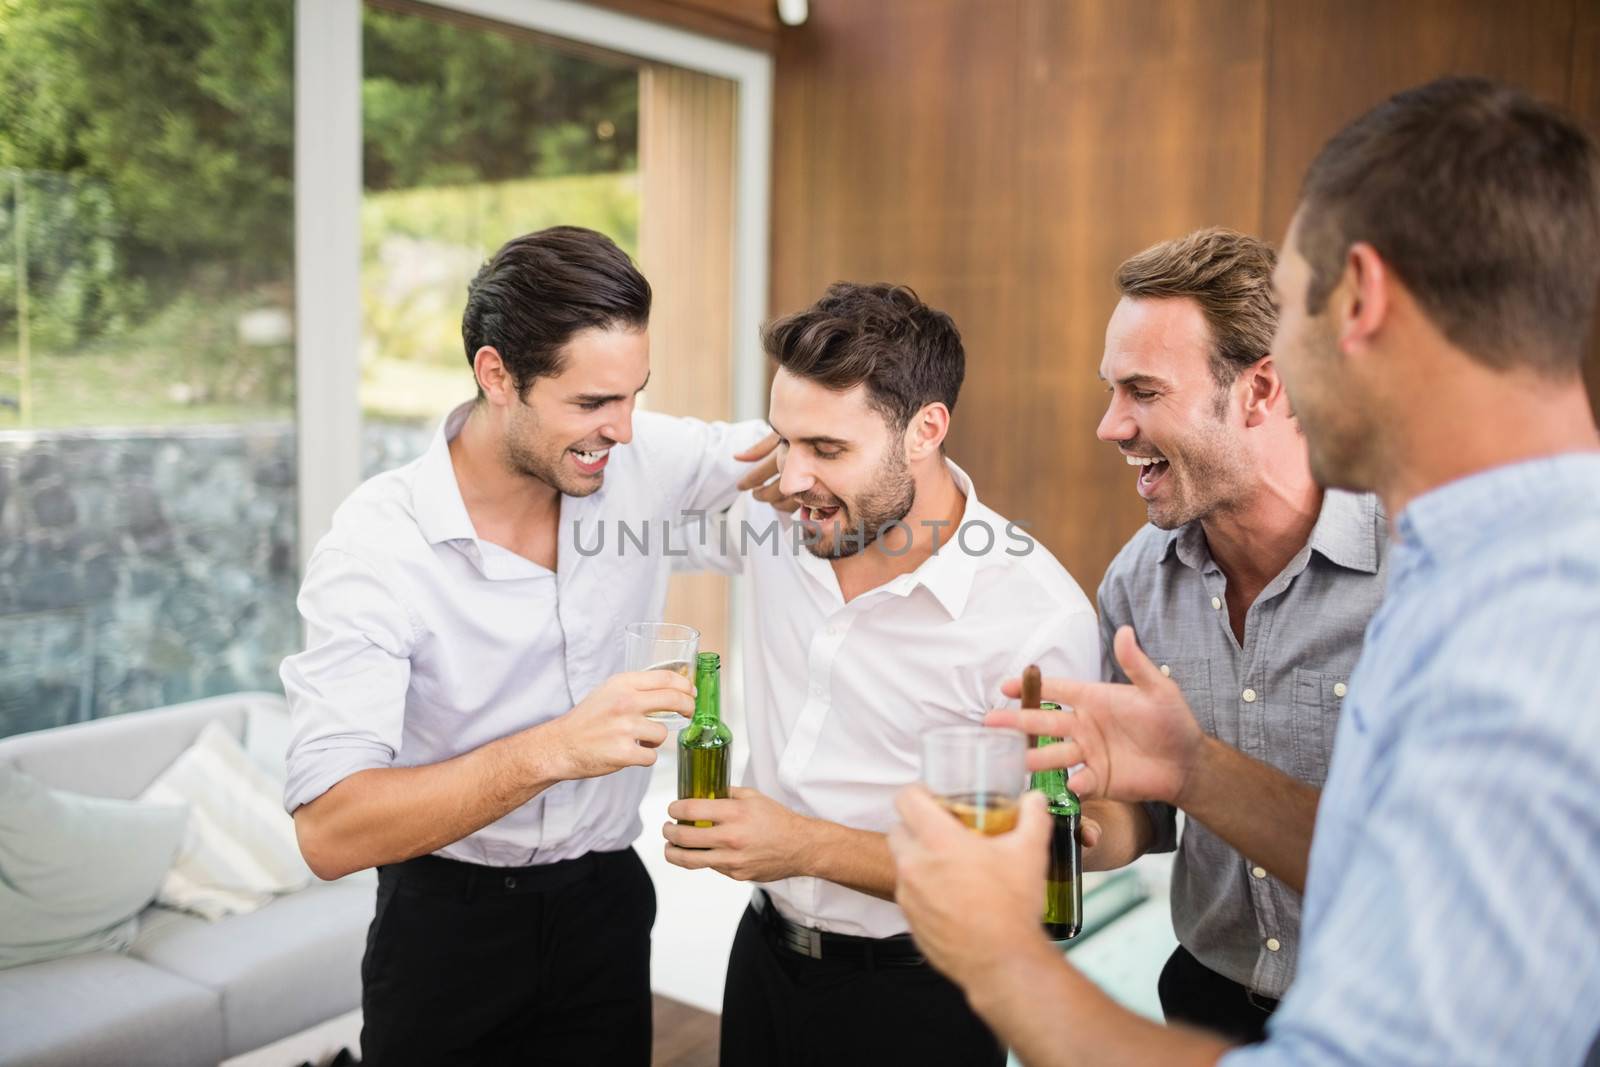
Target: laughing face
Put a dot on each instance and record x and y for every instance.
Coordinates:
(563, 430)
(1173, 423)
(842, 460)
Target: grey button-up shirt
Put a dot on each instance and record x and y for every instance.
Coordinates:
(1276, 699)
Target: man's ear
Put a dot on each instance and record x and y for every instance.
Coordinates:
(1263, 390)
(494, 379)
(1360, 302)
(927, 431)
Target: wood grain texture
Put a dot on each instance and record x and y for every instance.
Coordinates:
(1003, 156)
(1331, 60)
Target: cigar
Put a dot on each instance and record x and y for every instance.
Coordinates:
(1031, 685)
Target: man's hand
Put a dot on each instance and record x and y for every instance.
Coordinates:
(753, 839)
(763, 480)
(974, 902)
(1135, 742)
(607, 731)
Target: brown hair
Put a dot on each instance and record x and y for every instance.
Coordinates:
(1229, 274)
(908, 354)
(1485, 203)
(542, 288)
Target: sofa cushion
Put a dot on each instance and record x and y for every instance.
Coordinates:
(292, 964)
(240, 848)
(75, 871)
(106, 1009)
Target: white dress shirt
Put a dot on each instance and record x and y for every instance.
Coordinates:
(425, 642)
(840, 693)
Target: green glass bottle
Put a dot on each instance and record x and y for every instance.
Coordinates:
(703, 745)
(1063, 888)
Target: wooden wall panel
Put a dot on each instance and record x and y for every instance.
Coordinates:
(1136, 130)
(1333, 59)
(1002, 156)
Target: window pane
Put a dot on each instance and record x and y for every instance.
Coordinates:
(473, 133)
(147, 452)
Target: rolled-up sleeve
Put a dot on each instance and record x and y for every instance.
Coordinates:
(347, 690)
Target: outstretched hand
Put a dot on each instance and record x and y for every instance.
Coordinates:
(1122, 742)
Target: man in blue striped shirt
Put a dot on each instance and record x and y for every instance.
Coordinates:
(1436, 290)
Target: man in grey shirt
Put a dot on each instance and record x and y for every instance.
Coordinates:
(1251, 588)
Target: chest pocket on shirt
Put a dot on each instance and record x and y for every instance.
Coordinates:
(1317, 697)
(1194, 679)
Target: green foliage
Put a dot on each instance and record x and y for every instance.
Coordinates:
(421, 246)
(447, 105)
(156, 142)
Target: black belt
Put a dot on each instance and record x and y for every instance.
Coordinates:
(436, 874)
(898, 951)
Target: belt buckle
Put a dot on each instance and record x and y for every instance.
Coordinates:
(803, 939)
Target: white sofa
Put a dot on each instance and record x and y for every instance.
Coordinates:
(187, 992)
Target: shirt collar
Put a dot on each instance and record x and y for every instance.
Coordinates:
(435, 494)
(948, 573)
(1346, 533)
(1461, 514)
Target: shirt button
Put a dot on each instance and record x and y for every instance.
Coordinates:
(1166, 671)
(1258, 872)
(1216, 602)
(1249, 696)
(1273, 944)
(511, 883)
(1339, 689)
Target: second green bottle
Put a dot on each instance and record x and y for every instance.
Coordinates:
(704, 744)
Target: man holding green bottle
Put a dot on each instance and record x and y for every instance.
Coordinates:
(891, 603)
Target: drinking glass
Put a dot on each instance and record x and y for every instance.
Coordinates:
(978, 773)
(661, 646)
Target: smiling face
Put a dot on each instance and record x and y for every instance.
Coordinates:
(840, 457)
(1168, 415)
(563, 429)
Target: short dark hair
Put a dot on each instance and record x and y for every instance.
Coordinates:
(1229, 274)
(538, 290)
(908, 354)
(1484, 201)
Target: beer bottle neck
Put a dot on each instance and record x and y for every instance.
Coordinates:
(708, 686)
(1052, 783)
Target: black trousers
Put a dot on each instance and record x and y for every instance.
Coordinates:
(782, 1009)
(495, 965)
(1193, 993)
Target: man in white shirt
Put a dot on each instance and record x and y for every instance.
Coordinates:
(459, 719)
(907, 606)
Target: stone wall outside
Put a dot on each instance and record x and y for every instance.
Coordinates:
(146, 567)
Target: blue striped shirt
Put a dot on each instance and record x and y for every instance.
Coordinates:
(1452, 909)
